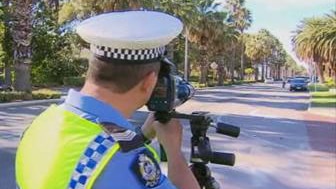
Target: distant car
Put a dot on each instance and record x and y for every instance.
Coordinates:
(5, 88)
(298, 84)
(269, 80)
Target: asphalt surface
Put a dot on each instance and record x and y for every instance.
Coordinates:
(281, 145)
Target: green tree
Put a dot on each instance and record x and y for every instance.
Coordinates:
(207, 27)
(2, 32)
(240, 17)
(254, 51)
(54, 50)
(315, 42)
(81, 9)
(265, 49)
(249, 72)
(7, 42)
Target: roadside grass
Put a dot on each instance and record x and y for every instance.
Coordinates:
(197, 85)
(319, 87)
(323, 100)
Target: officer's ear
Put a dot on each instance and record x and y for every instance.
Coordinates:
(148, 83)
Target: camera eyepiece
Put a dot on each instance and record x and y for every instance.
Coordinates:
(170, 91)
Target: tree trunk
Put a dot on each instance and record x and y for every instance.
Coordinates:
(319, 68)
(204, 73)
(263, 71)
(203, 66)
(256, 72)
(8, 74)
(170, 50)
(279, 72)
(22, 34)
(22, 77)
(242, 61)
(232, 67)
(220, 75)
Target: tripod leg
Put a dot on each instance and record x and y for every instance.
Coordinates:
(212, 184)
(203, 176)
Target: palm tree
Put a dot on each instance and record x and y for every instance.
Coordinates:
(222, 46)
(22, 11)
(241, 19)
(268, 42)
(315, 42)
(207, 27)
(254, 51)
(186, 10)
(81, 9)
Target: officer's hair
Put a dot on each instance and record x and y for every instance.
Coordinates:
(118, 77)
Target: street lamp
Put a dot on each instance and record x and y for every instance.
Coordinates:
(186, 56)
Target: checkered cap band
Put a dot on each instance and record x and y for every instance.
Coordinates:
(128, 54)
(89, 160)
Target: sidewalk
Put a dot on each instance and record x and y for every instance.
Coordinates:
(330, 112)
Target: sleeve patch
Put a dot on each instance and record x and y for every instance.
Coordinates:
(147, 169)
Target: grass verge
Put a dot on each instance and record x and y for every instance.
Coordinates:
(323, 100)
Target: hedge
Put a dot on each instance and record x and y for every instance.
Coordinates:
(35, 95)
(74, 81)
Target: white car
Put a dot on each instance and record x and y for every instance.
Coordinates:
(269, 80)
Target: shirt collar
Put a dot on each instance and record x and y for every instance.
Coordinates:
(104, 112)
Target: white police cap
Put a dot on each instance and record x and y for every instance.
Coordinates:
(130, 35)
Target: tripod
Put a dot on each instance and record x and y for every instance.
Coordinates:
(201, 153)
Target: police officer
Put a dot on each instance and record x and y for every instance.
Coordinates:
(87, 142)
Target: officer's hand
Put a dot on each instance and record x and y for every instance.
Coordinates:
(148, 127)
(169, 135)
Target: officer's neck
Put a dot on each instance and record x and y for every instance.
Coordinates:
(125, 103)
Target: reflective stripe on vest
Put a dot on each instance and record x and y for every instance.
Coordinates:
(89, 160)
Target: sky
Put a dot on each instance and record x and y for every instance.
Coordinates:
(281, 17)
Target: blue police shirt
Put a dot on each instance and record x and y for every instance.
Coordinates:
(118, 174)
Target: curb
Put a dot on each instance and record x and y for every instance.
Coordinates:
(31, 102)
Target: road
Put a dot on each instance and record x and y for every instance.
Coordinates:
(281, 145)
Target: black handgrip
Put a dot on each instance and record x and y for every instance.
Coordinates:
(227, 129)
(223, 158)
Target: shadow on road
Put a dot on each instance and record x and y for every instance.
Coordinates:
(302, 106)
(7, 175)
(321, 135)
(17, 115)
(282, 95)
(279, 100)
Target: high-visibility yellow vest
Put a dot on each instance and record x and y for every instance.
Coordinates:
(52, 148)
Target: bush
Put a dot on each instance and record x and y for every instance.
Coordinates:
(319, 87)
(14, 96)
(330, 83)
(36, 95)
(45, 94)
(74, 81)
